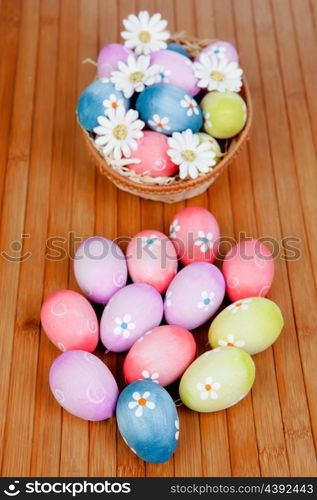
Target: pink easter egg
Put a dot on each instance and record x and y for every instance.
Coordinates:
(152, 259)
(152, 151)
(109, 56)
(221, 49)
(196, 235)
(162, 355)
(176, 69)
(69, 321)
(130, 313)
(83, 385)
(248, 269)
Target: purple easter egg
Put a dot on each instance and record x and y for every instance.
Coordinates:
(194, 295)
(221, 49)
(100, 268)
(83, 385)
(130, 313)
(109, 56)
(176, 69)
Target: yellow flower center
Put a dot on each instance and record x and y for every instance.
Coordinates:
(136, 77)
(145, 36)
(114, 105)
(208, 387)
(239, 304)
(230, 344)
(188, 155)
(120, 132)
(142, 402)
(217, 75)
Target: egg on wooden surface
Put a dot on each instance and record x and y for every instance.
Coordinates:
(176, 69)
(177, 47)
(152, 151)
(195, 234)
(130, 313)
(217, 379)
(214, 145)
(248, 269)
(70, 321)
(167, 109)
(94, 101)
(222, 50)
(100, 268)
(148, 421)
(162, 355)
(152, 259)
(109, 56)
(225, 114)
(194, 295)
(253, 324)
(83, 385)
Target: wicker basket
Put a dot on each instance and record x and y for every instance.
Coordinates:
(178, 190)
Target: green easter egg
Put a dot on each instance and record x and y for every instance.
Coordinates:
(214, 145)
(217, 379)
(225, 114)
(252, 324)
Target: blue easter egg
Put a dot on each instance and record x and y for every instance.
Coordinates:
(167, 109)
(176, 47)
(148, 421)
(91, 102)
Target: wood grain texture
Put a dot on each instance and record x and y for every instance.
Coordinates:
(50, 189)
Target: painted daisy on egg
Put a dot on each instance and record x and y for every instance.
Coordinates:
(159, 123)
(190, 104)
(191, 156)
(124, 326)
(145, 33)
(207, 300)
(135, 74)
(141, 402)
(207, 120)
(117, 132)
(204, 241)
(240, 305)
(154, 377)
(112, 102)
(174, 228)
(150, 241)
(164, 74)
(231, 342)
(214, 73)
(208, 389)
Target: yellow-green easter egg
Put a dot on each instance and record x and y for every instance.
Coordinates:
(225, 114)
(214, 145)
(252, 324)
(217, 379)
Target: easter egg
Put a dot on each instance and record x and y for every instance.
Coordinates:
(248, 269)
(94, 101)
(222, 50)
(109, 56)
(217, 379)
(177, 47)
(130, 313)
(69, 321)
(253, 324)
(148, 421)
(151, 355)
(194, 295)
(195, 234)
(152, 259)
(225, 114)
(167, 109)
(152, 152)
(83, 385)
(100, 268)
(214, 145)
(176, 69)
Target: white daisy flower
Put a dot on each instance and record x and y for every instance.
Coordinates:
(117, 132)
(135, 74)
(168, 295)
(207, 120)
(230, 342)
(177, 429)
(191, 156)
(141, 402)
(124, 326)
(208, 389)
(145, 34)
(216, 73)
(174, 227)
(112, 102)
(154, 377)
(159, 123)
(150, 242)
(240, 305)
(190, 104)
(207, 300)
(164, 74)
(204, 241)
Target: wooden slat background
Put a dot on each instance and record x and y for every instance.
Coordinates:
(49, 188)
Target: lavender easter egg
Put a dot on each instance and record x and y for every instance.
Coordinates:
(69, 321)
(100, 268)
(194, 295)
(152, 157)
(83, 385)
(195, 234)
(152, 259)
(253, 324)
(176, 69)
(95, 100)
(217, 379)
(151, 355)
(167, 109)
(248, 269)
(130, 313)
(222, 50)
(176, 47)
(148, 421)
(108, 58)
